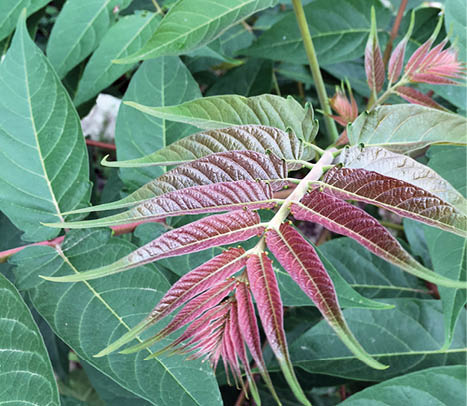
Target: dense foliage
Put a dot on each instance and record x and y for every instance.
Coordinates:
(300, 227)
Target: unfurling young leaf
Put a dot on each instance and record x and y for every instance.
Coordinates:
(343, 218)
(263, 284)
(208, 232)
(416, 97)
(374, 66)
(347, 110)
(396, 61)
(299, 259)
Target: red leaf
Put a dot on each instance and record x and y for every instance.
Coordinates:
(300, 260)
(396, 61)
(374, 66)
(197, 306)
(217, 197)
(198, 280)
(208, 232)
(263, 284)
(344, 218)
(250, 333)
(414, 96)
(395, 195)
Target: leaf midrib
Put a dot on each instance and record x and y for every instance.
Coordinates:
(122, 322)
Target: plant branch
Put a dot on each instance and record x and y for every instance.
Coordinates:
(315, 71)
(117, 230)
(394, 31)
(101, 145)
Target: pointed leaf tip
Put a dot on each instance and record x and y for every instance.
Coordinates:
(374, 66)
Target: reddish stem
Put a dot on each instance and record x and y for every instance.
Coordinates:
(394, 31)
(342, 392)
(117, 230)
(101, 145)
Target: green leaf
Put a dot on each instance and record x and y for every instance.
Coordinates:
(251, 79)
(455, 20)
(223, 111)
(442, 386)
(190, 24)
(161, 82)
(449, 252)
(115, 305)
(408, 338)
(338, 33)
(26, 373)
(368, 274)
(407, 127)
(124, 37)
(73, 39)
(10, 10)
(44, 163)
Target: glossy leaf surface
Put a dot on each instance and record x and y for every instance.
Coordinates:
(83, 314)
(343, 218)
(190, 24)
(43, 158)
(239, 138)
(208, 232)
(403, 168)
(212, 198)
(395, 195)
(301, 261)
(23, 356)
(404, 128)
(224, 111)
(215, 168)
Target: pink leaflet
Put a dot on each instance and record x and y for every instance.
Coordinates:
(396, 61)
(299, 259)
(263, 285)
(198, 280)
(416, 97)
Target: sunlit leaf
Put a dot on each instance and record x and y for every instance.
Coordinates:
(343, 218)
(395, 195)
(224, 111)
(407, 127)
(301, 261)
(208, 232)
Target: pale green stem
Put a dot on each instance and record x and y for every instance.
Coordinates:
(315, 71)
